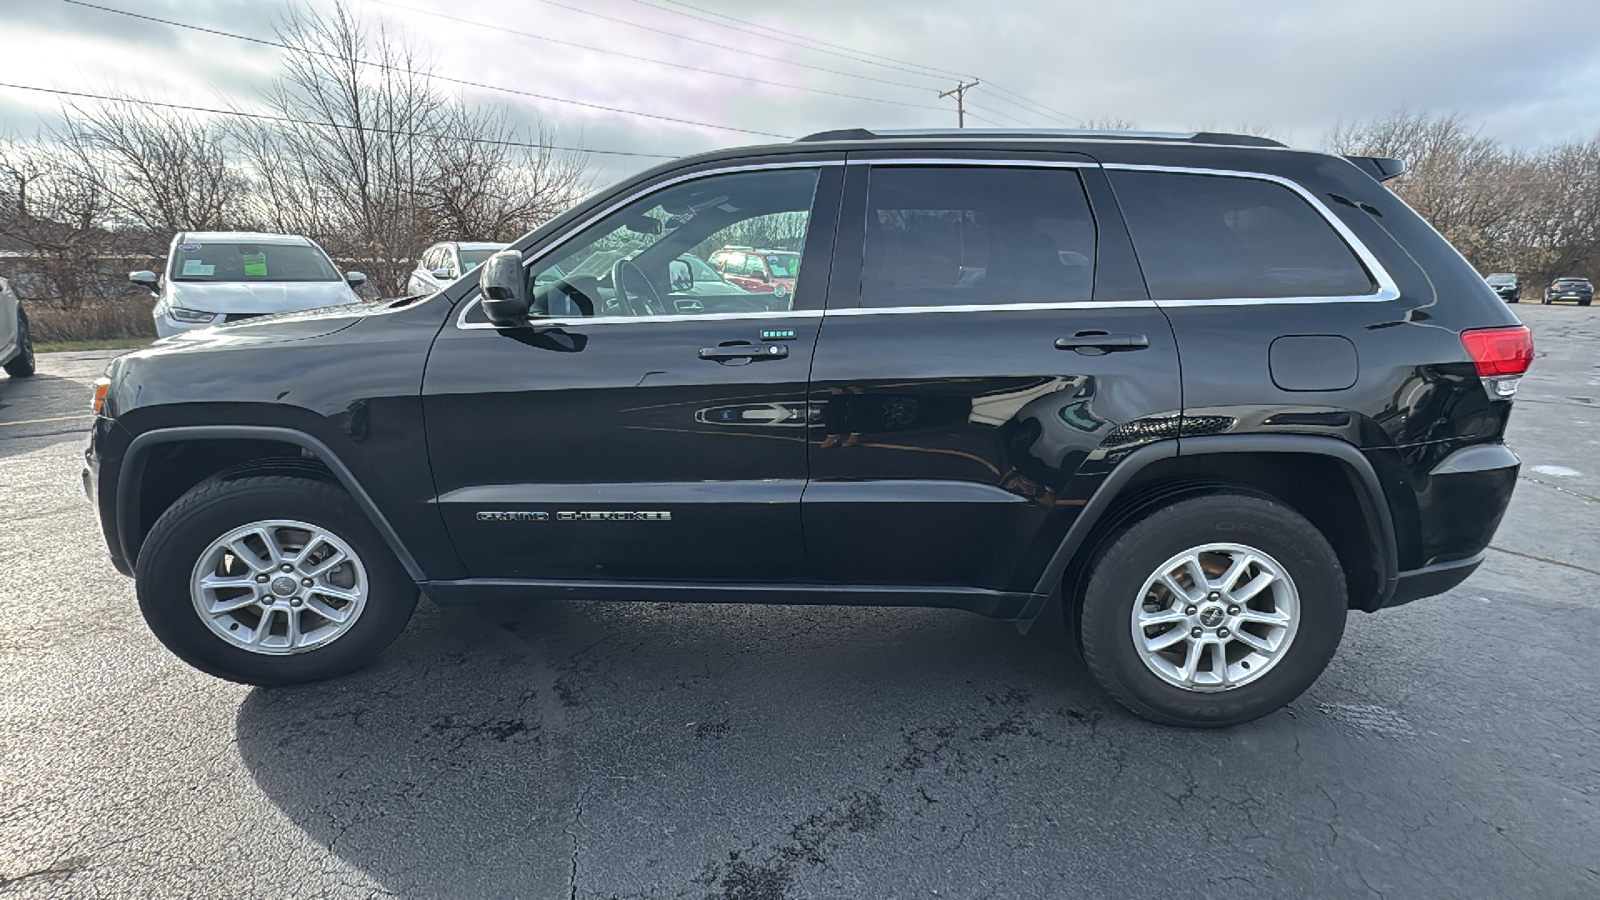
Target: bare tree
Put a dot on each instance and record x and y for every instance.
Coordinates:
(52, 203)
(493, 181)
(160, 171)
(375, 163)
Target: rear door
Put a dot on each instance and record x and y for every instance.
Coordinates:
(988, 353)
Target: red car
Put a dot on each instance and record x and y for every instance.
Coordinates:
(759, 271)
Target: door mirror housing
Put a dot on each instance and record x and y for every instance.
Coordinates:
(443, 273)
(679, 276)
(146, 278)
(355, 279)
(505, 289)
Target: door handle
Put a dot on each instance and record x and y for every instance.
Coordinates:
(727, 352)
(1103, 342)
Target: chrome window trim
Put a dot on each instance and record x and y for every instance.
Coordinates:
(575, 230)
(1386, 289)
(990, 307)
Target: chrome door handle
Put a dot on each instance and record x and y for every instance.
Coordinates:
(1103, 342)
(726, 352)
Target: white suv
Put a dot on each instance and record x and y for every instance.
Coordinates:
(16, 344)
(445, 262)
(214, 277)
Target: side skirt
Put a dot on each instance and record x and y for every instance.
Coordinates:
(992, 604)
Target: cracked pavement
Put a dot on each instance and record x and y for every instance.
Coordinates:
(572, 750)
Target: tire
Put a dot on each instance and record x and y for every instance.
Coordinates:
(1585, 302)
(23, 364)
(369, 587)
(1312, 590)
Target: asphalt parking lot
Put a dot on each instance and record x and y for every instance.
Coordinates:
(574, 750)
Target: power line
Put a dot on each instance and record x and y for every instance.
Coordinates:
(659, 62)
(867, 58)
(764, 31)
(293, 121)
(694, 40)
(446, 78)
(1014, 102)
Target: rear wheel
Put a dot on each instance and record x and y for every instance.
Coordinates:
(23, 364)
(271, 580)
(1212, 611)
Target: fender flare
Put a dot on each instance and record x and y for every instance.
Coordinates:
(1369, 493)
(134, 459)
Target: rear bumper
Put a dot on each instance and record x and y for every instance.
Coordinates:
(1434, 579)
(1460, 503)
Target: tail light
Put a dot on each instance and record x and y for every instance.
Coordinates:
(1501, 355)
(1499, 351)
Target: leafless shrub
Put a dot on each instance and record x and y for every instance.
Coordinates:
(92, 321)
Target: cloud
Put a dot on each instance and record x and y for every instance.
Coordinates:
(1529, 74)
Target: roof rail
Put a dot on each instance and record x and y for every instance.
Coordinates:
(1066, 134)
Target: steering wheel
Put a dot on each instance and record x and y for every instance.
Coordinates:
(626, 274)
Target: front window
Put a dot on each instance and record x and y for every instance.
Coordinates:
(241, 261)
(632, 262)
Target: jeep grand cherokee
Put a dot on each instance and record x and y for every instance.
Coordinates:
(1210, 392)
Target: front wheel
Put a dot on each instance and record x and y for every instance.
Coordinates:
(1212, 611)
(271, 580)
(23, 364)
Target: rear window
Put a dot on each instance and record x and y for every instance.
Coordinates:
(250, 262)
(1215, 237)
(958, 235)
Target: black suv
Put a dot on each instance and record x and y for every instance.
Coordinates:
(1209, 392)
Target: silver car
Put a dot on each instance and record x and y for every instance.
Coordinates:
(16, 344)
(213, 277)
(445, 262)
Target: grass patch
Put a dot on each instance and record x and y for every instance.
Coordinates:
(127, 343)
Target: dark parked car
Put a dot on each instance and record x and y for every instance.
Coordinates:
(972, 398)
(1508, 286)
(1578, 290)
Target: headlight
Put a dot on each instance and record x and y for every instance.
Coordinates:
(192, 316)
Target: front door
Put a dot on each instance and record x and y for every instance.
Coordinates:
(989, 352)
(644, 425)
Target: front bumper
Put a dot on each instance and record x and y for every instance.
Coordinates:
(100, 485)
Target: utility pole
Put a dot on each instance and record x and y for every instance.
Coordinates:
(960, 93)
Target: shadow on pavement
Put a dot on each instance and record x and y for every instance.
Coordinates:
(653, 750)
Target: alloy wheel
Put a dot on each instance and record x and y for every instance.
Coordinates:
(279, 587)
(1215, 617)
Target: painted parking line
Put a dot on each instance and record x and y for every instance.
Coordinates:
(51, 419)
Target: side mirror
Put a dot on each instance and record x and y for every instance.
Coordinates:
(763, 276)
(146, 278)
(442, 273)
(355, 279)
(505, 289)
(680, 276)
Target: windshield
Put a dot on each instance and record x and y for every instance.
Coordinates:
(1502, 279)
(471, 259)
(783, 265)
(251, 262)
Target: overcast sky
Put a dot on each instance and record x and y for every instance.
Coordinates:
(1527, 72)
